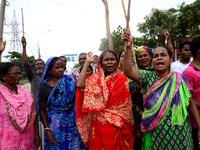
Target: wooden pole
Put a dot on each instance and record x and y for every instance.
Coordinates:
(2, 13)
(126, 17)
(127, 21)
(23, 25)
(22, 21)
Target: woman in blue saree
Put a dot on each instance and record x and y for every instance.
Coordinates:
(56, 108)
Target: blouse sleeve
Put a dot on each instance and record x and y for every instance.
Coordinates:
(142, 78)
(44, 92)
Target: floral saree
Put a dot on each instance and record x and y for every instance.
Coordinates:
(17, 114)
(104, 112)
(60, 111)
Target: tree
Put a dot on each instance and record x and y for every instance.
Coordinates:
(181, 22)
(118, 45)
(189, 19)
(76, 65)
(16, 57)
(157, 22)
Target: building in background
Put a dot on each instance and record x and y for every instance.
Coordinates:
(71, 60)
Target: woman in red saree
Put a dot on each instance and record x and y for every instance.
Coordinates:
(103, 106)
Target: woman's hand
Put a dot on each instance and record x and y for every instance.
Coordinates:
(3, 45)
(50, 137)
(37, 141)
(126, 36)
(90, 57)
(137, 88)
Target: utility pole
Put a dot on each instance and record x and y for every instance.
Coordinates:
(3, 3)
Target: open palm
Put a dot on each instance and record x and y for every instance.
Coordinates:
(90, 57)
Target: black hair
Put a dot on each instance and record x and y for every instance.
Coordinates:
(82, 54)
(83, 66)
(168, 51)
(96, 56)
(107, 51)
(195, 46)
(120, 53)
(62, 56)
(181, 45)
(5, 67)
(53, 62)
(38, 60)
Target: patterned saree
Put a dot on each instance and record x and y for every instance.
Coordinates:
(166, 101)
(104, 112)
(60, 111)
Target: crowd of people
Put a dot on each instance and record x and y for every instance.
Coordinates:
(105, 103)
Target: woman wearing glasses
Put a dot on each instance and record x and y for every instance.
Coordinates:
(18, 121)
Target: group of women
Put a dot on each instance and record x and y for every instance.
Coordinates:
(107, 110)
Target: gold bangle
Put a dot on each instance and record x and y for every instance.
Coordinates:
(82, 74)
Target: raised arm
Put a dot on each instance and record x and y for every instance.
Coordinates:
(25, 59)
(130, 72)
(2, 45)
(169, 43)
(81, 79)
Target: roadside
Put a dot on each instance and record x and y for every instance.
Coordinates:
(25, 84)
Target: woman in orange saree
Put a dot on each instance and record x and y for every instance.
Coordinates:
(103, 106)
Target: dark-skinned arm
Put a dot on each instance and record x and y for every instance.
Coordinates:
(194, 113)
(130, 72)
(196, 102)
(81, 79)
(50, 137)
(37, 137)
(24, 56)
(169, 43)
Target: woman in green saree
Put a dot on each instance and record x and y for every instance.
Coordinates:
(166, 101)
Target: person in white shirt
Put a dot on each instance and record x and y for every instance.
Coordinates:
(183, 63)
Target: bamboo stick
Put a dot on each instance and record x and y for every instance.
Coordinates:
(129, 29)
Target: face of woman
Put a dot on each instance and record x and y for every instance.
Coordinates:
(109, 63)
(161, 60)
(57, 69)
(144, 59)
(13, 76)
(121, 59)
(88, 72)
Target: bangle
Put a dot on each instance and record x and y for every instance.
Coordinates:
(82, 74)
(37, 136)
(47, 129)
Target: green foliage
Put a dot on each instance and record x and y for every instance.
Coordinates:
(17, 58)
(118, 45)
(157, 22)
(76, 65)
(181, 22)
(189, 18)
(104, 44)
(116, 37)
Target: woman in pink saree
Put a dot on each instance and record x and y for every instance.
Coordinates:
(18, 121)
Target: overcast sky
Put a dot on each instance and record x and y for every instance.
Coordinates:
(76, 25)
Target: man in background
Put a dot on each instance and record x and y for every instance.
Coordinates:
(34, 78)
(183, 63)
